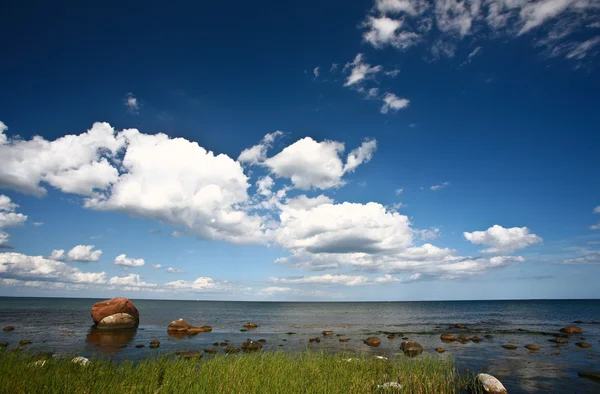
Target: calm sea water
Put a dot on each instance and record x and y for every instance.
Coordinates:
(63, 325)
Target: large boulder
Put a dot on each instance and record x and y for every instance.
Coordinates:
(571, 330)
(490, 384)
(102, 309)
(372, 341)
(118, 321)
(411, 348)
(182, 327)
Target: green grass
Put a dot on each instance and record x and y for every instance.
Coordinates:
(281, 373)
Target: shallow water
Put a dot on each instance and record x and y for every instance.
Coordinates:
(64, 326)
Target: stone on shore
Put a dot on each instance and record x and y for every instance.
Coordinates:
(117, 321)
(447, 337)
(251, 346)
(571, 330)
(231, 350)
(80, 360)
(189, 354)
(584, 345)
(411, 348)
(372, 341)
(490, 384)
(532, 347)
(8, 328)
(106, 308)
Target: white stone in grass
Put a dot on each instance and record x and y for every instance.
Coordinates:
(381, 358)
(490, 384)
(80, 360)
(389, 385)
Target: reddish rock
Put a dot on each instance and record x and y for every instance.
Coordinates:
(532, 347)
(571, 330)
(327, 332)
(372, 341)
(488, 336)
(344, 339)
(250, 325)
(8, 328)
(262, 340)
(154, 344)
(447, 337)
(583, 345)
(102, 309)
(558, 340)
(509, 347)
(317, 339)
(476, 339)
(440, 349)
(391, 336)
(182, 327)
(411, 348)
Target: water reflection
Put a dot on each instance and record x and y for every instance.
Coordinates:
(109, 342)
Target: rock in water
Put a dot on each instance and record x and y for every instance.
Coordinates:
(231, 350)
(210, 350)
(583, 345)
(532, 347)
(25, 342)
(490, 384)
(440, 349)
(102, 309)
(372, 341)
(558, 340)
(595, 376)
(344, 339)
(411, 348)
(327, 332)
(250, 325)
(118, 321)
(391, 336)
(447, 337)
(3, 344)
(571, 330)
(182, 327)
(154, 344)
(251, 346)
(509, 347)
(8, 328)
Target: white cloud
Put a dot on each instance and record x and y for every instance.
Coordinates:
(156, 266)
(597, 209)
(200, 284)
(130, 280)
(410, 7)
(131, 103)
(391, 102)
(392, 73)
(172, 270)
(258, 153)
(580, 51)
(440, 186)
(316, 72)
(471, 55)
(8, 218)
(3, 137)
(334, 67)
(274, 290)
(57, 254)
(84, 253)
(303, 202)
(359, 70)
(503, 240)
(264, 185)
(328, 279)
(362, 154)
(122, 259)
(399, 191)
(595, 226)
(38, 224)
(6, 204)
(591, 258)
(85, 179)
(177, 234)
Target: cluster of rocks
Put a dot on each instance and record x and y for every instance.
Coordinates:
(181, 327)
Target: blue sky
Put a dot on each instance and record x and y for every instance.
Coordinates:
(379, 150)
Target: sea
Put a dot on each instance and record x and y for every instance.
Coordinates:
(64, 326)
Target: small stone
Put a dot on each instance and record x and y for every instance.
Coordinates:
(344, 339)
(447, 337)
(317, 339)
(8, 328)
(154, 344)
(250, 325)
(215, 343)
(490, 384)
(583, 345)
(231, 350)
(223, 344)
(327, 332)
(391, 336)
(80, 360)
(571, 330)
(139, 346)
(24, 342)
(532, 347)
(290, 333)
(210, 350)
(440, 349)
(595, 376)
(488, 336)
(251, 346)
(243, 330)
(476, 339)
(558, 340)
(262, 340)
(509, 347)
(372, 341)
(3, 344)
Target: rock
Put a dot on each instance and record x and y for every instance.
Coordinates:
(317, 339)
(250, 325)
(43, 356)
(344, 339)
(447, 337)
(243, 330)
(24, 342)
(251, 346)
(196, 330)
(463, 338)
(405, 338)
(190, 354)
(391, 336)
(389, 385)
(488, 336)
(223, 344)
(411, 348)
(558, 340)
(8, 328)
(440, 349)
(102, 309)
(231, 350)
(182, 327)
(210, 350)
(80, 360)
(490, 384)
(476, 339)
(571, 330)
(117, 321)
(532, 347)
(3, 344)
(290, 333)
(578, 322)
(458, 325)
(215, 344)
(139, 346)
(583, 345)
(509, 347)
(262, 340)
(327, 332)
(595, 376)
(372, 341)
(154, 344)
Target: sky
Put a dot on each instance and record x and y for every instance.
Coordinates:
(377, 150)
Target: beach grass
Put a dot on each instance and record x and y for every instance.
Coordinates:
(268, 372)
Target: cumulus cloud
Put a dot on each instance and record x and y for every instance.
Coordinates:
(8, 218)
(597, 209)
(131, 103)
(393, 103)
(274, 290)
(122, 259)
(359, 70)
(57, 254)
(156, 266)
(258, 153)
(558, 25)
(130, 280)
(302, 202)
(328, 279)
(362, 154)
(503, 240)
(200, 284)
(84, 253)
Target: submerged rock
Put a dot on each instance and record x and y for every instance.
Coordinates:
(447, 337)
(117, 321)
(558, 340)
(463, 338)
(595, 376)
(488, 336)
(25, 342)
(372, 341)
(391, 336)
(262, 340)
(251, 346)
(215, 344)
(327, 333)
(411, 348)
(490, 384)
(476, 339)
(223, 344)
(8, 328)
(250, 325)
(103, 309)
(3, 344)
(180, 326)
(532, 347)
(509, 347)
(344, 339)
(440, 349)
(139, 346)
(571, 330)
(317, 339)
(584, 345)
(154, 344)
(290, 333)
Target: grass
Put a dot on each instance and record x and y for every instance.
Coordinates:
(280, 372)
